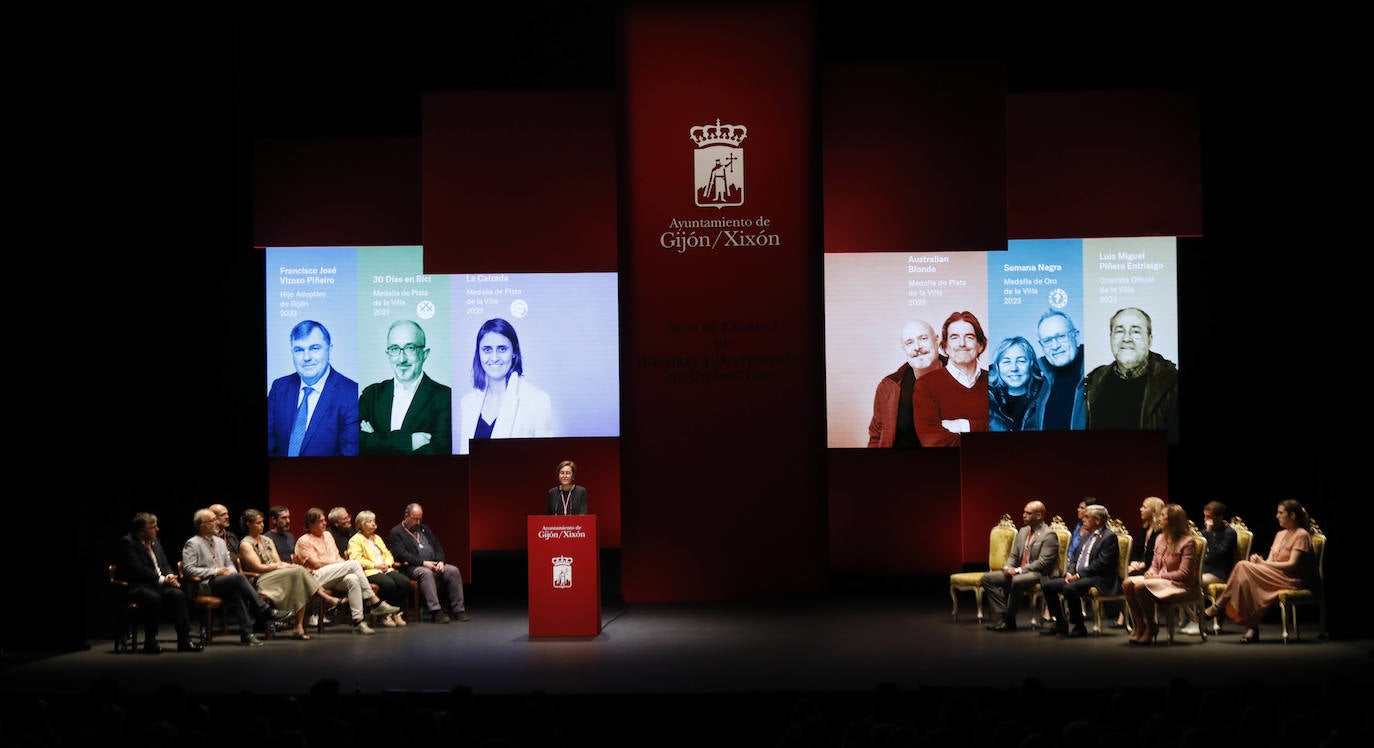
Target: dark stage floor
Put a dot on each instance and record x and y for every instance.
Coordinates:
(832, 646)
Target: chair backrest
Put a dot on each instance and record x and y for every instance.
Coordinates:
(1244, 538)
(1124, 541)
(1063, 532)
(1000, 541)
(1319, 548)
(1201, 554)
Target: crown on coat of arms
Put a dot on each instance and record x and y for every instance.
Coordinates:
(718, 134)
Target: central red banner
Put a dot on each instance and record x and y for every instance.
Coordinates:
(723, 491)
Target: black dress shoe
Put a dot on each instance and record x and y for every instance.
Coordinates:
(1055, 631)
(1002, 626)
(151, 649)
(1078, 632)
(190, 646)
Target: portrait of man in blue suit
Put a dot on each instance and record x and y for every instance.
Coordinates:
(313, 411)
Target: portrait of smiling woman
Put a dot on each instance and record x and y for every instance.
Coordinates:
(502, 404)
(1016, 387)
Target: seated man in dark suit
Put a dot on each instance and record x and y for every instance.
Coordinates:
(422, 559)
(409, 414)
(1095, 564)
(153, 584)
(313, 411)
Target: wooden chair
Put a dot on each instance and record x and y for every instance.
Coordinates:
(1244, 538)
(270, 627)
(205, 604)
(1313, 595)
(1123, 565)
(1037, 593)
(1192, 600)
(999, 545)
(126, 614)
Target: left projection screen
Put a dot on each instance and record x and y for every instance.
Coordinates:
(400, 362)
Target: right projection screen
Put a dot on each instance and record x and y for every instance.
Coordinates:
(1104, 310)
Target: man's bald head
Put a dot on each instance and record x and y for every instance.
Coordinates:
(920, 345)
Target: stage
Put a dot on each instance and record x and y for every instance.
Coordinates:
(840, 645)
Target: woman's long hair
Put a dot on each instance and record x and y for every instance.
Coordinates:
(1157, 504)
(500, 327)
(1299, 512)
(1175, 524)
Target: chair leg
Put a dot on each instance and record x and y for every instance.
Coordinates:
(1288, 615)
(415, 601)
(978, 601)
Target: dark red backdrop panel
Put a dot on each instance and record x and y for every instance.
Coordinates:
(1089, 164)
(336, 191)
(914, 157)
(724, 491)
(509, 479)
(383, 484)
(894, 511)
(519, 181)
(1000, 472)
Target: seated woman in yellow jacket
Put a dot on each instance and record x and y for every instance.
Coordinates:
(370, 551)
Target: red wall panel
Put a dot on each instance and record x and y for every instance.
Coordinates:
(519, 181)
(1093, 164)
(383, 484)
(509, 479)
(1000, 472)
(724, 493)
(894, 511)
(914, 157)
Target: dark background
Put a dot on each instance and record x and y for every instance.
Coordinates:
(1272, 405)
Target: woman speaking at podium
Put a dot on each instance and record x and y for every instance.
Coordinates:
(567, 497)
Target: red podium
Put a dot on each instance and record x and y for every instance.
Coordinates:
(564, 575)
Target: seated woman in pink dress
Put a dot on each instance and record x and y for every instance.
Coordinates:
(1255, 584)
(1173, 571)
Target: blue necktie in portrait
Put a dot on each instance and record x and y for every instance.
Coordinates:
(302, 420)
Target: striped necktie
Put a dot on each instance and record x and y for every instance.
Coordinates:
(302, 420)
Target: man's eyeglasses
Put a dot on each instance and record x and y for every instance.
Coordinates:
(409, 349)
(1061, 338)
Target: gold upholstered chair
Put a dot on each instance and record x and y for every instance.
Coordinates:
(1123, 565)
(1037, 593)
(1312, 595)
(1193, 600)
(1244, 538)
(999, 545)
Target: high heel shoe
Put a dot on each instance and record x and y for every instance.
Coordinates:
(1251, 635)
(1211, 611)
